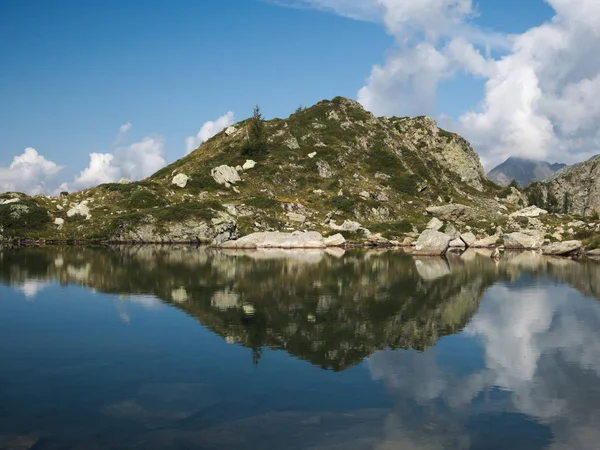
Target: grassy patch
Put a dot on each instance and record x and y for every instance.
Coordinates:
(263, 203)
(343, 204)
(18, 220)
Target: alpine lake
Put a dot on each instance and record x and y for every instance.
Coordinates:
(196, 348)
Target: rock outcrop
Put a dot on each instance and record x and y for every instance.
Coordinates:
(531, 240)
(566, 248)
(453, 212)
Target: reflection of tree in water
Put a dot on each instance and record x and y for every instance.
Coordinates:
(331, 311)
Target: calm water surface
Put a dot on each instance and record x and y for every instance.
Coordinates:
(190, 348)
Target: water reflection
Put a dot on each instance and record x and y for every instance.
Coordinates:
(472, 353)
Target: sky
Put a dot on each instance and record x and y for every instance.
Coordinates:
(97, 91)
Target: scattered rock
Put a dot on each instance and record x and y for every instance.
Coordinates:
(292, 143)
(9, 201)
(225, 175)
(180, 180)
(60, 222)
(294, 217)
(312, 155)
(452, 212)
(382, 197)
(566, 248)
(432, 243)
(324, 169)
(531, 211)
(531, 240)
(335, 241)
(348, 225)
(125, 181)
(249, 164)
(364, 195)
(230, 131)
(435, 224)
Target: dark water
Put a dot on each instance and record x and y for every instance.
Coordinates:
(187, 348)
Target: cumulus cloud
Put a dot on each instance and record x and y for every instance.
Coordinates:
(541, 85)
(29, 172)
(134, 162)
(208, 130)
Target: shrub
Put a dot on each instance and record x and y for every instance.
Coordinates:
(145, 199)
(406, 184)
(19, 219)
(189, 210)
(263, 203)
(344, 204)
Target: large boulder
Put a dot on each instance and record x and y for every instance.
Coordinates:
(335, 241)
(80, 209)
(225, 175)
(486, 242)
(457, 243)
(432, 243)
(249, 164)
(348, 225)
(566, 248)
(452, 212)
(180, 180)
(531, 211)
(275, 239)
(531, 240)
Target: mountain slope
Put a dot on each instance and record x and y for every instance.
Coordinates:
(524, 171)
(323, 165)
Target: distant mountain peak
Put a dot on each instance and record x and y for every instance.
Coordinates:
(524, 170)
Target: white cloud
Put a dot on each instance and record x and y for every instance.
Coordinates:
(135, 162)
(540, 96)
(208, 130)
(29, 172)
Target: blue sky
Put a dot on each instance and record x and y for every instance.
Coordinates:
(73, 72)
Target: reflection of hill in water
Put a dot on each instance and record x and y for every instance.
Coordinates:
(331, 309)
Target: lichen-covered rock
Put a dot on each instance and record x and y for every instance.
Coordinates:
(565, 248)
(225, 175)
(432, 243)
(452, 212)
(531, 240)
(180, 180)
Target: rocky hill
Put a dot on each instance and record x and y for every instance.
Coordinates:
(330, 168)
(524, 171)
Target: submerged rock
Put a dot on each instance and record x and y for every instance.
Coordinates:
(432, 243)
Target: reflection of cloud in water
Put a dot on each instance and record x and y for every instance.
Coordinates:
(31, 288)
(541, 347)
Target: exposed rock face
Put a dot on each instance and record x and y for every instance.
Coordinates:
(524, 171)
(230, 131)
(566, 248)
(80, 209)
(453, 212)
(225, 175)
(531, 211)
(324, 169)
(432, 243)
(124, 181)
(518, 240)
(582, 184)
(335, 241)
(297, 239)
(451, 150)
(180, 180)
